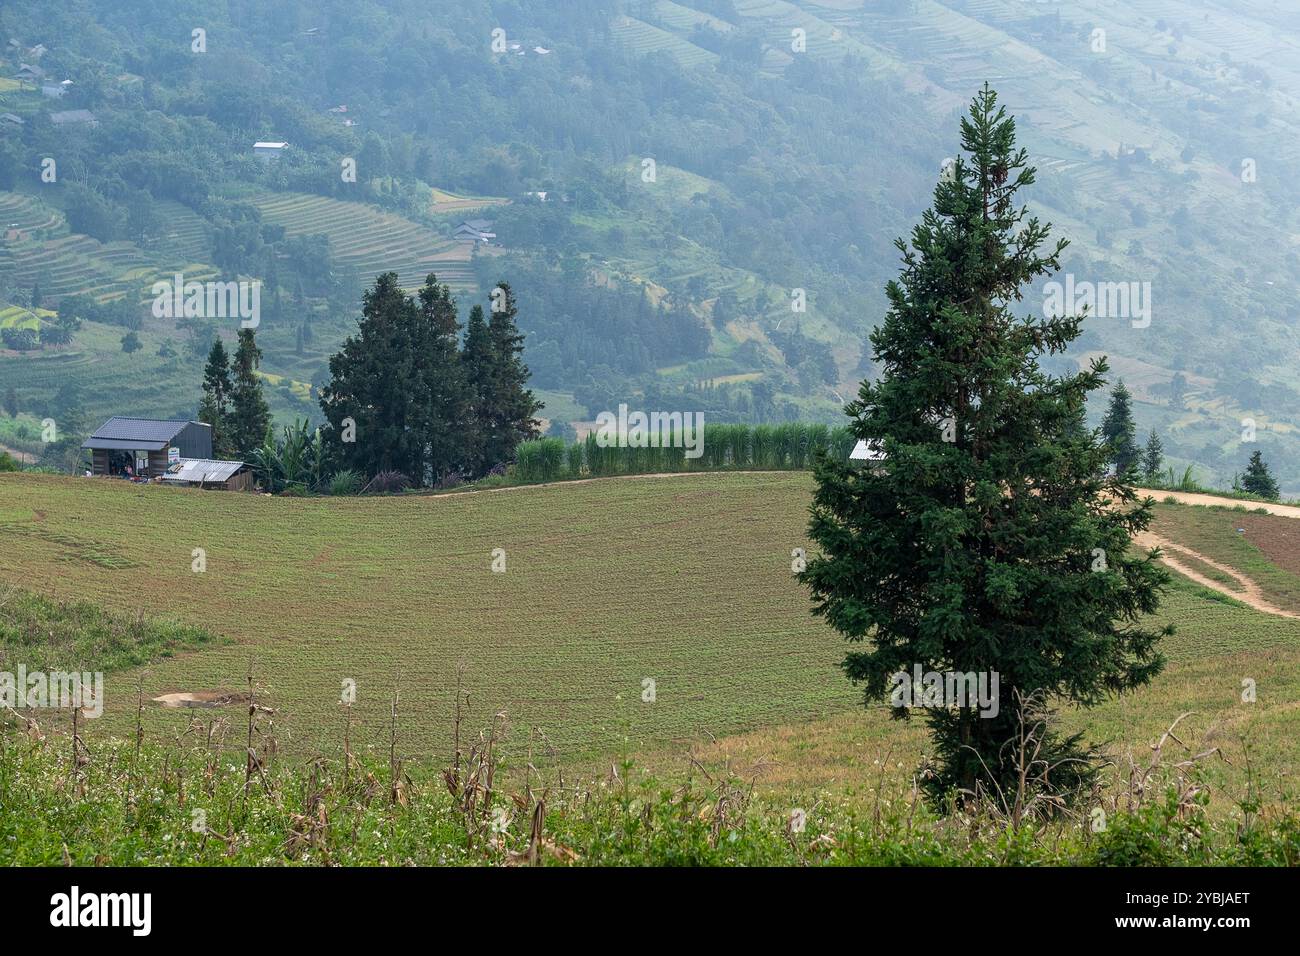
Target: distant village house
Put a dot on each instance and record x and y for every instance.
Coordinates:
(475, 230)
(269, 150)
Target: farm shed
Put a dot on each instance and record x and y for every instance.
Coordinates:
(269, 150)
(211, 474)
(139, 446)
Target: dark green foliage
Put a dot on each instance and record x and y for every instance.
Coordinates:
(1119, 431)
(1153, 456)
(1257, 480)
(417, 404)
(987, 543)
(504, 408)
(214, 407)
(250, 418)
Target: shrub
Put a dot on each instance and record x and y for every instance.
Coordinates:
(388, 482)
(345, 482)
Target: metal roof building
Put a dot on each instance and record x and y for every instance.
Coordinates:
(140, 446)
(210, 473)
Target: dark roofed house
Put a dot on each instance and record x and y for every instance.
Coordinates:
(29, 73)
(141, 447)
(475, 230)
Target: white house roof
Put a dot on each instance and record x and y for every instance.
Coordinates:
(202, 470)
(269, 145)
(867, 451)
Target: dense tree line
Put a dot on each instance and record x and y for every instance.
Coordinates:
(406, 395)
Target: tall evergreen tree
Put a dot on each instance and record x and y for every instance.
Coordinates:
(214, 407)
(1258, 480)
(368, 401)
(1119, 430)
(11, 401)
(250, 418)
(476, 360)
(990, 541)
(507, 407)
(445, 415)
(1153, 456)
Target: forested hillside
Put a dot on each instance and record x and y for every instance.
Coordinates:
(694, 202)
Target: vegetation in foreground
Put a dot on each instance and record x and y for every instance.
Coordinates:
(192, 802)
(45, 634)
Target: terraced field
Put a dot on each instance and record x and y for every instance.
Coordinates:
(66, 263)
(684, 581)
(16, 317)
(369, 241)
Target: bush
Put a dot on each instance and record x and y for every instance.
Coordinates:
(7, 462)
(388, 482)
(345, 482)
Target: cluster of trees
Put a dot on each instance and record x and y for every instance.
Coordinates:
(233, 403)
(407, 396)
(1119, 431)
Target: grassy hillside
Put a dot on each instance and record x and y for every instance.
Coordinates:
(684, 580)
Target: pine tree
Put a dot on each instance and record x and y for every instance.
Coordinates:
(476, 360)
(445, 416)
(506, 406)
(384, 387)
(1153, 456)
(11, 402)
(1119, 430)
(250, 418)
(1257, 480)
(214, 407)
(990, 541)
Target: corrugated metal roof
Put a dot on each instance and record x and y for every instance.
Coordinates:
(129, 433)
(203, 470)
(867, 451)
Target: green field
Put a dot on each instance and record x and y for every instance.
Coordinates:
(369, 241)
(683, 580)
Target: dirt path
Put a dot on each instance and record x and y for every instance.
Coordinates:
(1195, 498)
(1250, 594)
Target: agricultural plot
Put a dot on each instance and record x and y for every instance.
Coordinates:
(369, 242)
(642, 38)
(65, 263)
(608, 585)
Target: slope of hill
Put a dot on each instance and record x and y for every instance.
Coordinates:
(794, 141)
(635, 614)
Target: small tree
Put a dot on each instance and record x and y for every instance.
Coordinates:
(1257, 480)
(11, 402)
(1118, 429)
(1153, 456)
(1178, 392)
(131, 343)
